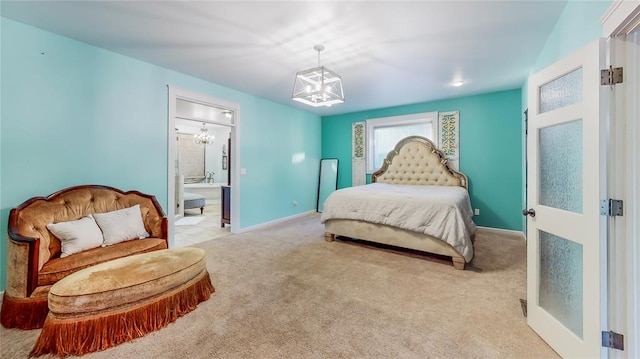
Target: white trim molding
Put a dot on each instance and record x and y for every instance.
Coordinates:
(501, 231)
(274, 222)
(621, 24)
(621, 17)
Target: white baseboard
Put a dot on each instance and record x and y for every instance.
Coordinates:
(519, 234)
(276, 221)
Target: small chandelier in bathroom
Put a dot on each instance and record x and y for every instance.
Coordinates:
(318, 86)
(203, 137)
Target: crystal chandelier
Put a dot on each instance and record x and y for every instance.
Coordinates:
(203, 137)
(318, 86)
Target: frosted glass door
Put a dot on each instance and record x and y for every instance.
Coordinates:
(564, 258)
(560, 151)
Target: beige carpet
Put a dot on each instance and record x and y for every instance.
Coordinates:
(286, 293)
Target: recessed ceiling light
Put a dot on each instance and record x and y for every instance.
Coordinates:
(458, 83)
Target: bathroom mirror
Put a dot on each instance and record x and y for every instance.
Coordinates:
(327, 181)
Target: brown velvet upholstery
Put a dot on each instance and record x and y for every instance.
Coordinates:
(58, 268)
(33, 252)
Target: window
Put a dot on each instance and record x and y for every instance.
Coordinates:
(384, 133)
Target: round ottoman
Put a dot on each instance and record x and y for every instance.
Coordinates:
(123, 299)
(194, 200)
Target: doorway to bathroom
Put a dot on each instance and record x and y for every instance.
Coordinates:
(202, 173)
(202, 185)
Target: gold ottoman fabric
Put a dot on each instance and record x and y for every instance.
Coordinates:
(122, 299)
(123, 281)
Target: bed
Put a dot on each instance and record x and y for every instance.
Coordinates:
(416, 200)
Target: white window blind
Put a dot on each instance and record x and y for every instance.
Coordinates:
(384, 133)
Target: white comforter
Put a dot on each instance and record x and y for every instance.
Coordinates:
(442, 212)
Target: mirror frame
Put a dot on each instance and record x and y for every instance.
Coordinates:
(335, 187)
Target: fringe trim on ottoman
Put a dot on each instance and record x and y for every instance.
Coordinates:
(78, 336)
(23, 313)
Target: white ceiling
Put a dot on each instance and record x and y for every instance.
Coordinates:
(388, 52)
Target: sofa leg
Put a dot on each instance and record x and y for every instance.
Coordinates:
(23, 313)
(201, 210)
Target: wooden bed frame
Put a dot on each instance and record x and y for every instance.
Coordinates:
(414, 160)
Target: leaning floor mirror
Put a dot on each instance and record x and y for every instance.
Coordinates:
(327, 181)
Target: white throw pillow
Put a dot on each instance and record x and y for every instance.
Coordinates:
(77, 236)
(121, 225)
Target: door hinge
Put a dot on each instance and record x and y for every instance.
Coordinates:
(613, 340)
(611, 207)
(611, 76)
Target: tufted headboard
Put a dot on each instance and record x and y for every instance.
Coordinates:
(416, 160)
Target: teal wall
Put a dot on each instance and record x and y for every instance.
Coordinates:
(2, 232)
(490, 150)
(75, 114)
(577, 26)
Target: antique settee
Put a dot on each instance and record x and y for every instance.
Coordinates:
(34, 261)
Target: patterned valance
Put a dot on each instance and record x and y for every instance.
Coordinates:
(449, 133)
(359, 165)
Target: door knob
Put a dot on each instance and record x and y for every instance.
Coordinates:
(530, 212)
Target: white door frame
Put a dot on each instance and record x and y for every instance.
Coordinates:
(176, 93)
(621, 19)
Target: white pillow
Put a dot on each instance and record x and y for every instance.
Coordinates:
(77, 236)
(121, 225)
